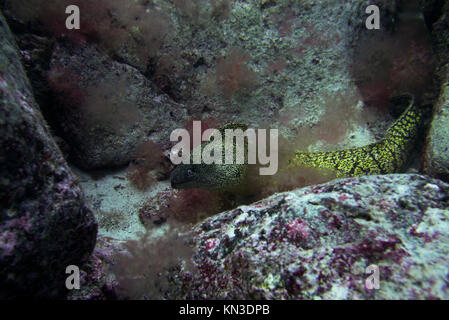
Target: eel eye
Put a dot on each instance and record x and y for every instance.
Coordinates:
(189, 172)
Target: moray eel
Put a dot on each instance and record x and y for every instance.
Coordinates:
(388, 155)
(221, 177)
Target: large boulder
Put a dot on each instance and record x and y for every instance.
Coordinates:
(45, 224)
(105, 109)
(317, 243)
(436, 156)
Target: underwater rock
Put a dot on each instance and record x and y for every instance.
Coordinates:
(436, 156)
(279, 64)
(294, 50)
(96, 281)
(108, 108)
(317, 243)
(45, 224)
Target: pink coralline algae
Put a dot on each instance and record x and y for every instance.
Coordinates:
(319, 242)
(211, 244)
(7, 243)
(297, 230)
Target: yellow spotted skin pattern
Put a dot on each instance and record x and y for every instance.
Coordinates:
(389, 155)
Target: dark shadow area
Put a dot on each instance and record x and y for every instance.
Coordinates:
(396, 59)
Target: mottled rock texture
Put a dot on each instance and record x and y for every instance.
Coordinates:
(316, 243)
(310, 243)
(45, 224)
(286, 64)
(436, 158)
(96, 281)
(111, 107)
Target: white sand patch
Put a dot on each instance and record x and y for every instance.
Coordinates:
(116, 203)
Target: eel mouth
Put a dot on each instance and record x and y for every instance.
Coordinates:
(177, 182)
(174, 183)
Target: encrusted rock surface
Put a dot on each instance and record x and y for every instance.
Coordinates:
(436, 157)
(96, 280)
(45, 224)
(282, 64)
(311, 243)
(118, 107)
(316, 243)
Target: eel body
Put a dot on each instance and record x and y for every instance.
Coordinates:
(222, 177)
(389, 155)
